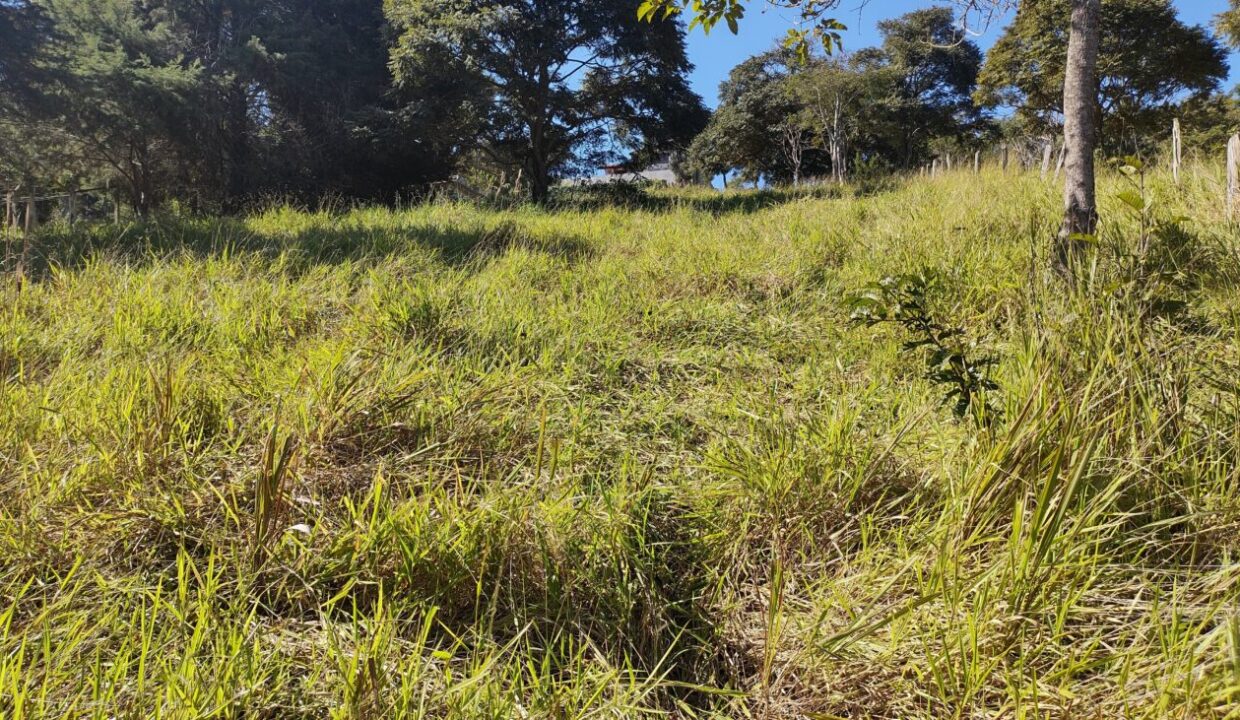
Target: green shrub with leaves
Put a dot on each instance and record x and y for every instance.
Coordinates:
(906, 300)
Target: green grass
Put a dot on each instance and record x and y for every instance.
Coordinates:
(450, 462)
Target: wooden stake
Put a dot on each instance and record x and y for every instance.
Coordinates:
(32, 222)
(1177, 150)
(977, 162)
(1233, 175)
(1063, 155)
(32, 213)
(1047, 150)
(1005, 151)
(8, 228)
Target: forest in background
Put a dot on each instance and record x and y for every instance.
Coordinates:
(218, 105)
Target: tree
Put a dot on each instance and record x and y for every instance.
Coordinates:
(299, 101)
(122, 94)
(834, 95)
(1229, 23)
(1127, 76)
(1080, 90)
(1080, 104)
(1149, 60)
(935, 70)
(756, 120)
(559, 73)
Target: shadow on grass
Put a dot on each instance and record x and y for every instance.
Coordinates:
(628, 196)
(334, 241)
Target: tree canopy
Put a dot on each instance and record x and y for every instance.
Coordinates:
(215, 104)
(555, 75)
(897, 105)
(1149, 60)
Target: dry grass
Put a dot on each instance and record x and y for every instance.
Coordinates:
(619, 462)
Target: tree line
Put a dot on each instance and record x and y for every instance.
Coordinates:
(211, 104)
(929, 92)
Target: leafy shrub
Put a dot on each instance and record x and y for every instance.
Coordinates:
(904, 300)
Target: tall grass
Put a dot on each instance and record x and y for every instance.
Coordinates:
(620, 462)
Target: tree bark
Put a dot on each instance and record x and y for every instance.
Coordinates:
(238, 130)
(1080, 133)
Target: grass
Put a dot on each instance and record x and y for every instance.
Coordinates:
(621, 462)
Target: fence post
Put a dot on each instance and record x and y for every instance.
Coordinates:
(977, 162)
(73, 206)
(949, 162)
(1233, 175)
(32, 212)
(8, 229)
(1006, 152)
(934, 168)
(32, 222)
(1047, 150)
(1177, 150)
(1063, 156)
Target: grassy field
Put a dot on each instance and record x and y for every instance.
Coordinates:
(602, 462)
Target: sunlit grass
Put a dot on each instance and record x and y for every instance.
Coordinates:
(617, 462)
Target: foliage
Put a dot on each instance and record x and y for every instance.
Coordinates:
(595, 66)
(216, 103)
(1229, 23)
(906, 301)
(781, 118)
(816, 27)
(1149, 61)
(935, 69)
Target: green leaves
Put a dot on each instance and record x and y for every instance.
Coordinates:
(905, 300)
(816, 29)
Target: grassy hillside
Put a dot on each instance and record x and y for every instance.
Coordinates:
(608, 462)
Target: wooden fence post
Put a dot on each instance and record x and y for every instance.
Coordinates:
(1047, 150)
(934, 168)
(1177, 150)
(1063, 156)
(8, 228)
(32, 222)
(1233, 175)
(1005, 152)
(32, 212)
(977, 162)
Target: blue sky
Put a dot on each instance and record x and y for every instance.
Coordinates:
(721, 51)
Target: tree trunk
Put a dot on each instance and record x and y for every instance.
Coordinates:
(238, 129)
(540, 184)
(1080, 102)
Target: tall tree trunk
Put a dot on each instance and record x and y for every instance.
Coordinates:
(238, 131)
(1080, 103)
